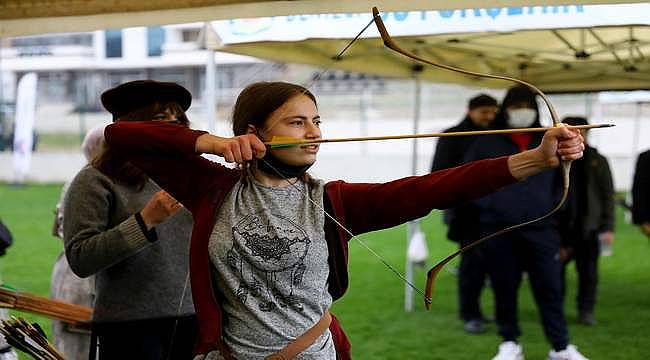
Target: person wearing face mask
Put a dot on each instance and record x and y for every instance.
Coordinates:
(533, 249)
(450, 151)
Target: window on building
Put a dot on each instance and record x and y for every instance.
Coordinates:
(83, 39)
(190, 35)
(114, 43)
(43, 45)
(155, 40)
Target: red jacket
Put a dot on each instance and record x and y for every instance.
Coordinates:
(167, 154)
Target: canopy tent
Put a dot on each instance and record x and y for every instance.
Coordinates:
(26, 17)
(559, 49)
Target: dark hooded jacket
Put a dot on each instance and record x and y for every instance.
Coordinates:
(527, 199)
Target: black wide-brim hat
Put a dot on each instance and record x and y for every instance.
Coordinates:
(132, 95)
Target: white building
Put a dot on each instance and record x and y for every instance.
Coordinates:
(76, 67)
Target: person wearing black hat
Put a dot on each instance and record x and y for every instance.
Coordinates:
(134, 237)
(588, 224)
(533, 249)
(126, 98)
(450, 151)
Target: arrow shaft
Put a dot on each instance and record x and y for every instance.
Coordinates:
(282, 143)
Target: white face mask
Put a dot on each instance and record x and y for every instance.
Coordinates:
(521, 118)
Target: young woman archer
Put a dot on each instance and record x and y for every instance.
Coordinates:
(269, 243)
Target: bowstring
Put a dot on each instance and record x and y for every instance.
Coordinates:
(308, 84)
(178, 313)
(336, 58)
(352, 236)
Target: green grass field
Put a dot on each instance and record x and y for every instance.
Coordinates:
(372, 310)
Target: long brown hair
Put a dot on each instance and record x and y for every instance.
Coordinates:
(257, 102)
(124, 172)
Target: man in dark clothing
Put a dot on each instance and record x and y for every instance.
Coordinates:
(589, 221)
(460, 221)
(641, 193)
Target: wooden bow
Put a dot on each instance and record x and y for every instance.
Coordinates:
(390, 43)
(566, 165)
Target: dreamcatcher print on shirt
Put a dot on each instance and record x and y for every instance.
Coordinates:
(268, 253)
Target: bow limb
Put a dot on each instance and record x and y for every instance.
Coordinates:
(392, 44)
(566, 165)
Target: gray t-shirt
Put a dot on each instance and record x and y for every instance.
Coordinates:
(269, 254)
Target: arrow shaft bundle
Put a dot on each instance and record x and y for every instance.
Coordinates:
(29, 339)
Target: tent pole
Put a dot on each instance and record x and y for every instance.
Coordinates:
(637, 127)
(81, 103)
(364, 104)
(416, 124)
(413, 227)
(211, 91)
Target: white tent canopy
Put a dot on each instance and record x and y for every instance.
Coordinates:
(558, 48)
(28, 17)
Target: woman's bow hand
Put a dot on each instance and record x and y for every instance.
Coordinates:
(561, 143)
(558, 144)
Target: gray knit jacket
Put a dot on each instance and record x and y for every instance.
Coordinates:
(135, 279)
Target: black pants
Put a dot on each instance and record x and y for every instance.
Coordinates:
(586, 252)
(472, 273)
(147, 339)
(536, 251)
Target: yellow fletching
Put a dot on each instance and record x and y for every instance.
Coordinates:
(277, 139)
(281, 141)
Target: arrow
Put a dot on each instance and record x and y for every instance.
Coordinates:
(287, 141)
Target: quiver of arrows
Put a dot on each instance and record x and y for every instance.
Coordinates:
(29, 338)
